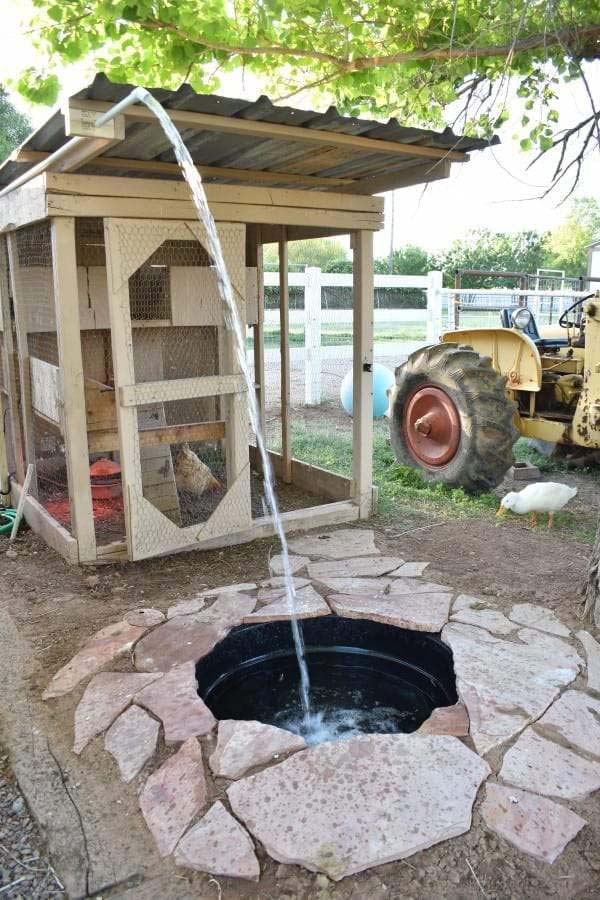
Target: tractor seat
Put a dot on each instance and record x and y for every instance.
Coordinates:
(543, 344)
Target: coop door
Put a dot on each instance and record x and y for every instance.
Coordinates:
(181, 397)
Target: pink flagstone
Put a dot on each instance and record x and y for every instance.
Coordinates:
(220, 845)
(344, 806)
(382, 587)
(175, 701)
(308, 605)
(409, 570)
(244, 745)
(105, 697)
(538, 617)
(185, 607)
(490, 619)
(173, 795)
(339, 544)
(592, 652)
(101, 649)
(227, 611)
(355, 567)
(532, 824)
(539, 765)
(145, 617)
(177, 641)
(296, 563)
(421, 612)
(447, 720)
(574, 717)
(131, 739)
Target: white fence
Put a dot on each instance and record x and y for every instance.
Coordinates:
(321, 345)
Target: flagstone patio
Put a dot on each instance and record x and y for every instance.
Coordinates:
(339, 808)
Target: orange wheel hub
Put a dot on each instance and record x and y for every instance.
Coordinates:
(431, 426)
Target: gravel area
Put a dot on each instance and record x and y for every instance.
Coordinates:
(25, 873)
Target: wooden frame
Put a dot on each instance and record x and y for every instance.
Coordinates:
(362, 368)
(284, 353)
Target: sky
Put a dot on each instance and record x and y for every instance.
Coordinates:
(494, 190)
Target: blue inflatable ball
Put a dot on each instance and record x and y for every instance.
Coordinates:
(383, 378)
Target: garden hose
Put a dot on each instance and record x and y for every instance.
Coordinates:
(7, 518)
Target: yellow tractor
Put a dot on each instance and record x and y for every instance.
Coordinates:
(458, 407)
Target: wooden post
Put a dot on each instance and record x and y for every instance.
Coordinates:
(435, 324)
(362, 367)
(254, 257)
(312, 336)
(10, 373)
(23, 357)
(456, 302)
(284, 320)
(74, 420)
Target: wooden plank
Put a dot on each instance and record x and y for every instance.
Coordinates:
(4, 480)
(48, 528)
(23, 360)
(45, 389)
(254, 257)
(73, 395)
(312, 479)
(272, 131)
(362, 367)
(158, 189)
(23, 205)
(253, 176)
(284, 349)
(247, 213)
(105, 441)
(132, 395)
(422, 174)
(10, 365)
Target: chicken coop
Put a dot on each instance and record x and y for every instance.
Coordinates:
(122, 395)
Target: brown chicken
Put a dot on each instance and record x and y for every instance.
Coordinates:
(192, 475)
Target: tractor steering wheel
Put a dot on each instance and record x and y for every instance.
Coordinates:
(563, 321)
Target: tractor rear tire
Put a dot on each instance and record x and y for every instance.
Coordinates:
(451, 417)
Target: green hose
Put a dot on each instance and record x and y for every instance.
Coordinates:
(7, 518)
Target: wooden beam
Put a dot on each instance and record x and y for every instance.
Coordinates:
(254, 257)
(108, 440)
(421, 174)
(273, 131)
(10, 365)
(24, 205)
(181, 389)
(253, 176)
(284, 347)
(51, 531)
(362, 368)
(235, 194)
(123, 207)
(66, 301)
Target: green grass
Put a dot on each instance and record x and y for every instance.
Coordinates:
(406, 497)
(332, 335)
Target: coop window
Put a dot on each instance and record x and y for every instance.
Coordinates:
(149, 293)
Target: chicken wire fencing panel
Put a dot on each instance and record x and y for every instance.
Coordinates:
(30, 259)
(183, 403)
(7, 340)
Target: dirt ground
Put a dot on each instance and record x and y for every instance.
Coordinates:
(97, 838)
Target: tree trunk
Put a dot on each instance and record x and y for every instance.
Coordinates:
(591, 611)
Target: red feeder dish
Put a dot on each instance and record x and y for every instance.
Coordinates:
(105, 478)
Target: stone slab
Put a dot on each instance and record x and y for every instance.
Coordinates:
(279, 581)
(354, 567)
(177, 641)
(490, 619)
(383, 587)
(505, 685)
(574, 717)
(467, 601)
(105, 697)
(592, 652)
(131, 739)
(186, 607)
(447, 720)
(175, 701)
(173, 795)
(421, 612)
(218, 844)
(308, 605)
(102, 648)
(145, 617)
(409, 570)
(534, 825)
(538, 617)
(296, 563)
(243, 745)
(226, 611)
(342, 807)
(542, 766)
(340, 544)
(245, 587)
(270, 592)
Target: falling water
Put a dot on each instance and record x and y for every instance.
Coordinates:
(233, 320)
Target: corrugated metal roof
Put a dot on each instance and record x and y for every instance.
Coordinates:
(146, 141)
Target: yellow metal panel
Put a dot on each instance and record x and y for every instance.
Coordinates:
(513, 354)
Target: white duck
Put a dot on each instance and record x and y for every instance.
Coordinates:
(544, 497)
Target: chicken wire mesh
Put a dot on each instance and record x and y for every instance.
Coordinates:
(6, 322)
